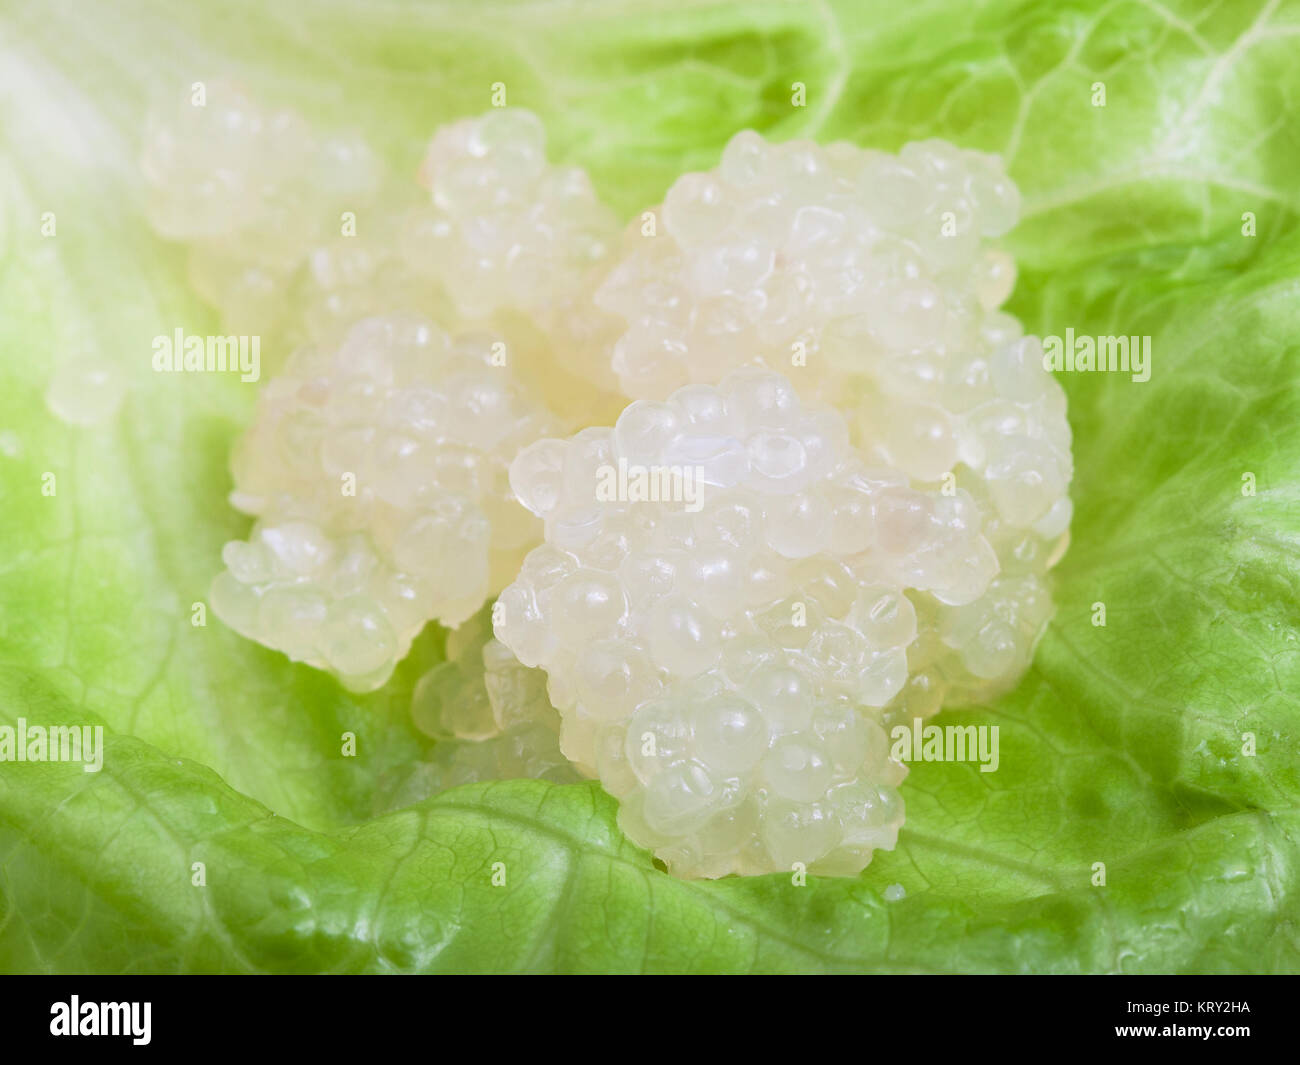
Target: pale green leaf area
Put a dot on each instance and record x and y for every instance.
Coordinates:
(1123, 745)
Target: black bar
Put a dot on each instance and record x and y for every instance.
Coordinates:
(451, 1017)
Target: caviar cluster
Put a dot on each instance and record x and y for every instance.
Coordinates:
(296, 236)
(873, 281)
(378, 477)
(507, 232)
(722, 640)
(259, 197)
(490, 714)
(376, 461)
(773, 256)
(830, 508)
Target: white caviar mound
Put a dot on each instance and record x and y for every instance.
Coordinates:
(507, 231)
(259, 197)
(723, 649)
(830, 509)
(230, 165)
(295, 236)
(872, 281)
(378, 474)
(490, 714)
(766, 258)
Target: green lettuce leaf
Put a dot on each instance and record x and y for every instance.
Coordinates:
(1125, 744)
